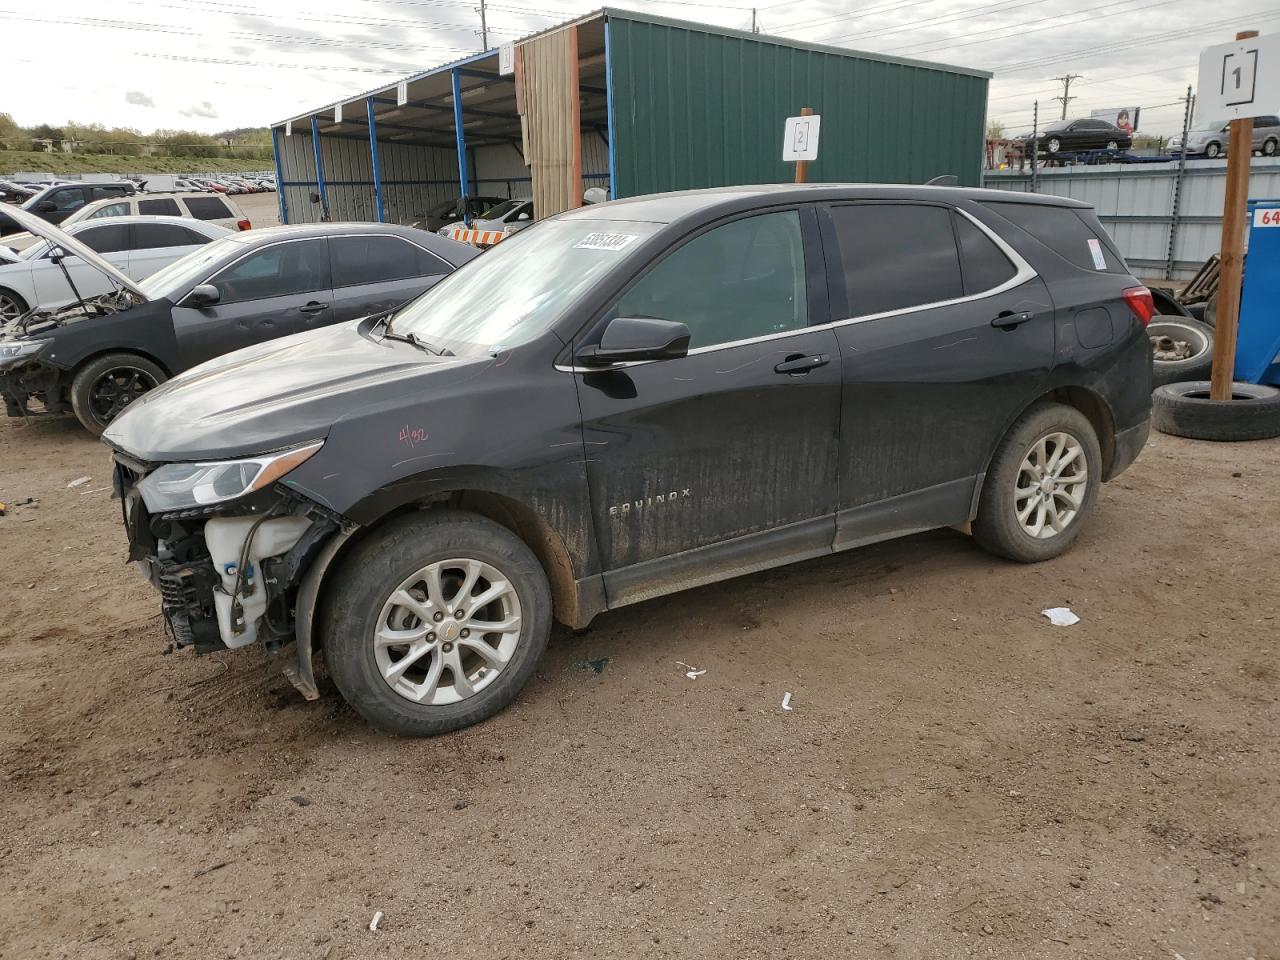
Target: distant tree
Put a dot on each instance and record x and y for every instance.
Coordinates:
(995, 130)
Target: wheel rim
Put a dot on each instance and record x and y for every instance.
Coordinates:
(115, 390)
(447, 631)
(1054, 144)
(1269, 148)
(1211, 150)
(1173, 342)
(1113, 145)
(9, 309)
(1050, 486)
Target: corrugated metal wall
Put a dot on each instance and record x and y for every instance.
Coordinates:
(414, 178)
(1135, 203)
(694, 108)
(500, 170)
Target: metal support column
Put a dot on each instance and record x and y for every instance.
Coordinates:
(462, 143)
(379, 208)
(275, 149)
(608, 99)
(1177, 191)
(315, 148)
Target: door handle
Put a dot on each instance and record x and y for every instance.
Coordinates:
(313, 306)
(802, 363)
(1007, 319)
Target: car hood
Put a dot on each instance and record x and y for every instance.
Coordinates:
(273, 395)
(47, 231)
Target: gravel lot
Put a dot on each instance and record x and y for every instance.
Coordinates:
(957, 777)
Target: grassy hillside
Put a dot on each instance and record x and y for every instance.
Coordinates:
(70, 164)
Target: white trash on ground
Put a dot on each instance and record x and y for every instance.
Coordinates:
(1061, 616)
(786, 701)
(373, 924)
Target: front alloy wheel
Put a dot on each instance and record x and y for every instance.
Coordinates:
(104, 388)
(434, 621)
(447, 631)
(1054, 145)
(11, 307)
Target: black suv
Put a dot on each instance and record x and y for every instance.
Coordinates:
(58, 202)
(627, 400)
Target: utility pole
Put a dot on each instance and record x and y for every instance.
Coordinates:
(484, 27)
(1066, 90)
(755, 27)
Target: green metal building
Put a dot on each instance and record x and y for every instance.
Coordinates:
(632, 102)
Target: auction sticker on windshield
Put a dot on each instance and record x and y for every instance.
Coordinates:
(605, 241)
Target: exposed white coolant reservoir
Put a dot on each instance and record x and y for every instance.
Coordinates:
(225, 538)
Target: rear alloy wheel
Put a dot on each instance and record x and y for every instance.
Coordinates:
(104, 388)
(1113, 145)
(435, 622)
(1181, 349)
(1041, 485)
(1213, 150)
(1185, 410)
(12, 306)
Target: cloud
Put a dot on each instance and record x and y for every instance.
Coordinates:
(138, 99)
(202, 109)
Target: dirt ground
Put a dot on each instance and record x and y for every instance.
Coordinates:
(262, 209)
(956, 777)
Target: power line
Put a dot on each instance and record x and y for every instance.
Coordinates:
(1066, 97)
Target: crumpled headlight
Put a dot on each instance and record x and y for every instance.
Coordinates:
(183, 486)
(16, 349)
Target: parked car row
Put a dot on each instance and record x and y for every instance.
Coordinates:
(621, 401)
(1212, 139)
(208, 207)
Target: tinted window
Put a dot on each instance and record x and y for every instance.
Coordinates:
(108, 238)
(208, 208)
(163, 207)
(149, 236)
(896, 256)
(983, 263)
(70, 199)
(120, 209)
(744, 279)
(1061, 230)
(279, 270)
(101, 193)
(373, 259)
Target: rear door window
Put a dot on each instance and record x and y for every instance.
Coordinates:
(373, 259)
(982, 263)
(120, 209)
(208, 208)
(1064, 231)
(279, 270)
(150, 236)
(895, 256)
(160, 207)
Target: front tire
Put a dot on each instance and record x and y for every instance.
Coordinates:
(1054, 145)
(1040, 486)
(103, 388)
(1213, 151)
(436, 622)
(1269, 148)
(12, 306)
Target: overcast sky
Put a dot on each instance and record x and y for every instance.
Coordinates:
(214, 64)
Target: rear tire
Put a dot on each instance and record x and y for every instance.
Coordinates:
(1185, 410)
(1180, 336)
(397, 563)
(102, 389)
(1015, 494)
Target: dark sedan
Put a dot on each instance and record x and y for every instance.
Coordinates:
(1070, 136)
(97, 356)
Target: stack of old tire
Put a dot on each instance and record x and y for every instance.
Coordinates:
(1182, 357)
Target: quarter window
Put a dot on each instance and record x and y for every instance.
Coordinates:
(374, 259)
(161, 207)
(896, 256)
(280, 270)
(741, 280)
(985, 265)
(208, 208)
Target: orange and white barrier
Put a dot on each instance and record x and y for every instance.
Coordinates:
(477, 238)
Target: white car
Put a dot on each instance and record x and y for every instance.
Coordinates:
(136, 246)
(209, 207)
(508, 217)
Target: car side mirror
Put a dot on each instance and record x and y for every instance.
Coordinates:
(46, 206)
(628, 339)
(202, 295)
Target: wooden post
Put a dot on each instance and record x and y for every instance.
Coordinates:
(802, 166)
(1239, 152)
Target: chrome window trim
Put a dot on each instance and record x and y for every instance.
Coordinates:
(1023, 272)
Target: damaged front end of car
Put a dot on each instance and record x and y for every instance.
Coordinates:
(236, 556)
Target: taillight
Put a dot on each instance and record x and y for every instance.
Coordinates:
(1140, 302)
(246, 225)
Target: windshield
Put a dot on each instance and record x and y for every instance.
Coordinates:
(501, 210)
(519, 288)
(170, 281)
